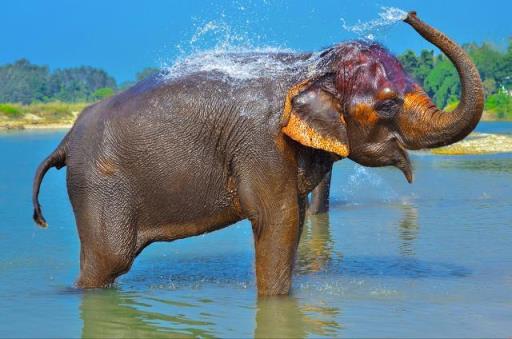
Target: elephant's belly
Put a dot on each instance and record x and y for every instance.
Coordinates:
(179, 230)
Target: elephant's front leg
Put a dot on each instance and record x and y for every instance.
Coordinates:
(275, 218)
(276, 235)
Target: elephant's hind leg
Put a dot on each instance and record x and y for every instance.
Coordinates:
(108, 239)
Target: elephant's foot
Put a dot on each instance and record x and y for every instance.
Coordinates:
(88, 281)
(98, 271)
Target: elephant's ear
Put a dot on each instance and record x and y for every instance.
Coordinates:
(312, 116)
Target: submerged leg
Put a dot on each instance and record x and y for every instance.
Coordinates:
(320, 196)
(108, 238)
(275, 216)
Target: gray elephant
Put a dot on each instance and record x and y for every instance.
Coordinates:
(178, 156)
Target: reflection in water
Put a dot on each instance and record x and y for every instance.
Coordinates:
(111, 313)
(316, 245)
(399, 267)
(453, 271)
(408, 230)
(499, 165)
(283, 317)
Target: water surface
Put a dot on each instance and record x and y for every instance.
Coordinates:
(390, 259)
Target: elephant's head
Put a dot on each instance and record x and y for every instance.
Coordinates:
(365, 107)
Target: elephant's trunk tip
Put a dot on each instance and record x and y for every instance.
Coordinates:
(410, 15)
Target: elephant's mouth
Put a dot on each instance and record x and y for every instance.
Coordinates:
(381, 154)
(404, 164)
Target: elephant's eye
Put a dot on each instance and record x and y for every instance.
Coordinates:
(388, 108)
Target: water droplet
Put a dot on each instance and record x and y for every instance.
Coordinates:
(388, 16)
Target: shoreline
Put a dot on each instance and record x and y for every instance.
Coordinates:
(24, 125)
(476, 143)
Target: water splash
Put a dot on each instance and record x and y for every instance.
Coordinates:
(236, 64)
(231, 53)
(218, 48)
(221, 34)
(367, 30)
(363, 184)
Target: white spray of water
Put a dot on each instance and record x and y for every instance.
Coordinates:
(234, 56)
(363, 184)
(367, 30)
(218, 48)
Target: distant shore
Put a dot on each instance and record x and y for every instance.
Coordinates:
(47, 117)
(61, 115)
(478, 143)
(475, 143)
(11, 127)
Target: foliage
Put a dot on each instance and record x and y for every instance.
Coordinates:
(147, 72)
(102, 93)
(440, 80)
(425, 65)
(409, 61)
(25, 83)
(452, 106)
(10, 111)
(500, 104)
(442, 83)
(419, 67)
(55, 112)
(489, 86)
(79, 84)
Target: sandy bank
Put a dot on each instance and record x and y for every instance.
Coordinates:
(11, 126)
(478, 143)
(475, 143)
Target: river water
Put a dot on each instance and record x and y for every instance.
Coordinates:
(430, 259)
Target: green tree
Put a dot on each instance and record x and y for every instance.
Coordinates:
(500, 104)
(409, 61)
(418, 67)
(425, 65)
(147, 72)
(443, 82)
(489, 86)
(23, 82)
(10, 111)
(79, 84)
(486, 57)
(503, 74)
(102, 93)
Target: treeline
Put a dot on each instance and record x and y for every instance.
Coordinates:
(440, 80)
(23, 82)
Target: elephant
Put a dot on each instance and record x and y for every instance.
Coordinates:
(319, 202)
(186, 153)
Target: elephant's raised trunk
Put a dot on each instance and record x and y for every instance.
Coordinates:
(421, 123)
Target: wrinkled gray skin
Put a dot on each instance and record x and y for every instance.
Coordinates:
(178, 157)
(169, 159)
(319, 200)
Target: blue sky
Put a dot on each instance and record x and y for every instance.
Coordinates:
(122, 37)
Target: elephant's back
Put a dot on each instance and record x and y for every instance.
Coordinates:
(194, 99)
(173, 139)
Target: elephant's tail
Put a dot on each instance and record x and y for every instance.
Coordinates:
(56, 159)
